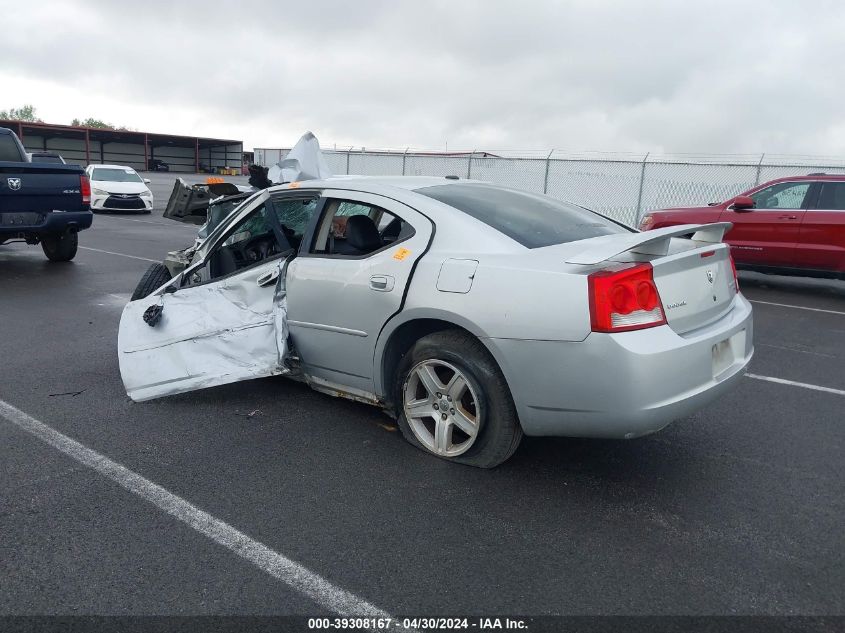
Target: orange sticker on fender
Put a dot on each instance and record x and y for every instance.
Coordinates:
(401, 254)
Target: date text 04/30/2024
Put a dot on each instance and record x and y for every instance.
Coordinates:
(422, 623)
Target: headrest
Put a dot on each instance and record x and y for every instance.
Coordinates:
(362, 234)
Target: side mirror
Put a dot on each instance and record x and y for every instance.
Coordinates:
(146, 181)
(743, 203)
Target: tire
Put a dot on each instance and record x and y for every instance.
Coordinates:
(155, 277)
(60, 248)
(486, 406)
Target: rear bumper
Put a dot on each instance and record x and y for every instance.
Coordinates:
(625, 385)
(51, 222)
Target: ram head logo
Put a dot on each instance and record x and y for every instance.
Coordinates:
(14, 183)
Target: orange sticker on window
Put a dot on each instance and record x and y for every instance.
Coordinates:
(401, 254)
(293, 185)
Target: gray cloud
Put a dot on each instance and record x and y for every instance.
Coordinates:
(583, 75)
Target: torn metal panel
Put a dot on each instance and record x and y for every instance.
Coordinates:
(208, 335)
(304, 162)
(280, 313)
(178, 261)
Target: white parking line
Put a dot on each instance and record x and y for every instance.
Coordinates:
(99, 250)
(795, 349)
(786, 305)
(783, 381)
(306, 582)
(177, 225)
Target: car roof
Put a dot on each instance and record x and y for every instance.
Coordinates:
(114, 167)
(408, 183)
(816, 176)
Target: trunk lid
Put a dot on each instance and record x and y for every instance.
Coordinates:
(691, 268)
(696, 285)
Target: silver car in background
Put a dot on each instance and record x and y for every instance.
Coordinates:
(472, 313)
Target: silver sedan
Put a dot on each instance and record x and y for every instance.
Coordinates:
(472, 313)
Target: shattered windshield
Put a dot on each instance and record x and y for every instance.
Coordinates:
(217, 212)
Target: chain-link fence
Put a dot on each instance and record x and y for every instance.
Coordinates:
(621, 186)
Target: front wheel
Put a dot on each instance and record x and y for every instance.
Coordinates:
(60, 248)
(454, 401)
(154, 278)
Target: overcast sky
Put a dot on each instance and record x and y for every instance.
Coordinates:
(701, 77)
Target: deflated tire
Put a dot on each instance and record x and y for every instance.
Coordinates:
(454, 401)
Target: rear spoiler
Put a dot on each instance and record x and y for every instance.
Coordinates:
(656, 242)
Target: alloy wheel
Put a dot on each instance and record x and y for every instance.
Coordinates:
(441, 407)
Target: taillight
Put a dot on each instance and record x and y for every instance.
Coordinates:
(624, 299)
(733, 268)
(646, 223)
(85, 189)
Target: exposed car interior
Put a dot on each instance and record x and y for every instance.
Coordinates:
(355, 229)
(275, 228)
(347, 229)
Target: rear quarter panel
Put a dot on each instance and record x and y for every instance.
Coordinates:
(507, 301)
(509, 297)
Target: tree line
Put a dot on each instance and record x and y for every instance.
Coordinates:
(27, 114)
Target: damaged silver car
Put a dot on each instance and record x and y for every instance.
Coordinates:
(472, 313)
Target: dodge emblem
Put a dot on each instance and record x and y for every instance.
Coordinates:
(710, 276)
(14, 183)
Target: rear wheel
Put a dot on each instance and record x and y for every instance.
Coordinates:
(454, 401)
(155, 277)
(60, 248)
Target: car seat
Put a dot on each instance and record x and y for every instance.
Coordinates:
(361, 235)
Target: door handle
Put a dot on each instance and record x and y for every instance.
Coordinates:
(788, 217)
(382, 283)
(267, 278)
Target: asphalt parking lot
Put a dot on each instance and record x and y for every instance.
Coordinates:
(737, 510)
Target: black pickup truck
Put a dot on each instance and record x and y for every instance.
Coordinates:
(44, 203)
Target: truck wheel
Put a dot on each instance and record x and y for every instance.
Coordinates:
(156, 276)
(60, 248)
(454, 401)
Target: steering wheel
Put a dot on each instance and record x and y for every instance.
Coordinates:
(259, 247)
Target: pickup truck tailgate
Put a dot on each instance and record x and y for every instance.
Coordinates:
(34, 187)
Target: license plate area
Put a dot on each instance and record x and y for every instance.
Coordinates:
(20, 219)
(728, 352)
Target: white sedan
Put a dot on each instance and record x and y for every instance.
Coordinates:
(119, 188)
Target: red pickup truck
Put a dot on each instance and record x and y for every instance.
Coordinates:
(793, 226)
